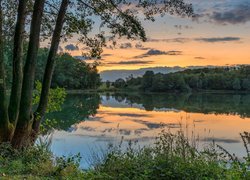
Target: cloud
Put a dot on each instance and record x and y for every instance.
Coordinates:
(126, 46)
(199, 57)
(106, 55)
(131, 62)
(141, 47)
(221, 140)
(218, 39)
(155, 52)
(202, 39)
(90, 129)
(224, 12)
(180, 27)
(239, 14)
(174, 40)
(125, 132)
(133, 115)
(150, 125)
(174, 53)
(71, 47)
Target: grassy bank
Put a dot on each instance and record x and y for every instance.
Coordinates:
(172, 157)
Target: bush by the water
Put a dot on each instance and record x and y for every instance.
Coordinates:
(36, 163)
(173, 157)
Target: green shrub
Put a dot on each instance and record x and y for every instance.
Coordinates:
(173, 156)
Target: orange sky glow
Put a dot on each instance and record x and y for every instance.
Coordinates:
(212, 40)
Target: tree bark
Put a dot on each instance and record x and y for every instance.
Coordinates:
(4, 119)
(25, 115)
(41, 110)
(15, 96)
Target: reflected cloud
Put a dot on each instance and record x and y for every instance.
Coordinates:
(140, 131)
(125, 132)
(198, 121)
(85, 128)
(116, 120)
(132, 115)
(219, 39)
(150, 125)
(221, 140)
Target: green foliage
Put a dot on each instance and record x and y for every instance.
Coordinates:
(174, 156)
(114, 22)
(246, 84)
(48, 125)
(56, 97)
(236, 84)
(206, 103)
(147, 80)
(77, 107)
(56, 100)
(119, 83)
(197, 79)
(36, 163)
(70, 73)
(108, 84)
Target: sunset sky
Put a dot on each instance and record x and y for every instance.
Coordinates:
(220, 36)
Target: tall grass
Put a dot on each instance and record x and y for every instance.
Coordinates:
(174, 156)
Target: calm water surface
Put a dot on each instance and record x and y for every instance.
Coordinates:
(90, 122)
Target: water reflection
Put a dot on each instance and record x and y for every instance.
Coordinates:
(94, 120)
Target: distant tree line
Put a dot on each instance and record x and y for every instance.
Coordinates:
(70, 73)
(229, 78)
(206, 103)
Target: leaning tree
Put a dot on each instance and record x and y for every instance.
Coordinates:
(53, 21)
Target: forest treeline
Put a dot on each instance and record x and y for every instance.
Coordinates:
(221, 78)
(70, 73)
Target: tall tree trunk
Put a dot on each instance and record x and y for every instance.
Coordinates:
(25, 120)
(15, 96)
(50, 66)
(4, 120)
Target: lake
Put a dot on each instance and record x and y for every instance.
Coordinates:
(91, 122)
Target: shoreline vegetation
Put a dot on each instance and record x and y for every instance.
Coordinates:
(173, 156)
(225, 79)
(128, 91)
(207, 80)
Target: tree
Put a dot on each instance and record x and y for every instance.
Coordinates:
(236, 84)
(246, 84)
(158, 83)
(119, 83)
(108, 83)
(147, 80)
(194, 82)
(19, 124)
(181, 85)
(4, 123)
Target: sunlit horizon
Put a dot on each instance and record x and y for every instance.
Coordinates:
(218, 37)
